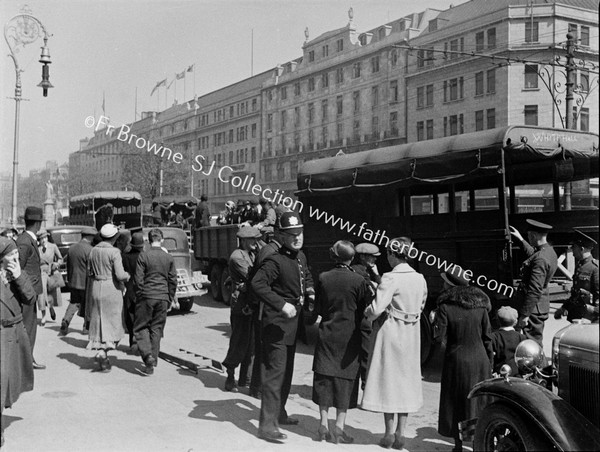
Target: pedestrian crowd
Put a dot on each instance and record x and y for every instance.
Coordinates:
(368, 336)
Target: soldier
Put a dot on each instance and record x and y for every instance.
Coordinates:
(583, 303)
(281, 284)
(241, 345)
(532, 296)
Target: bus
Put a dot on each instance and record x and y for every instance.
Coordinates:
(456, 197)
(123, 208)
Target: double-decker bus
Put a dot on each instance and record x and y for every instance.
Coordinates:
(455, 197)
(123, 208)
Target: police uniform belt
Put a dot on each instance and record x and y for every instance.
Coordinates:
(101, 277)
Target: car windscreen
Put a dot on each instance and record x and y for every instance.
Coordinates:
(66, 238)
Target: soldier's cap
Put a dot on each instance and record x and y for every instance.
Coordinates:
(533, 225)
(88, 230)
(42, 233)
(341, 251)
(108, 231)
(249, 232)
(290, 222)
(34, 214)
(507, 316)
(367, 248)
(455, 277)
(583, 240)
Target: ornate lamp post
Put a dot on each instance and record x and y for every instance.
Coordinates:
(19, 31)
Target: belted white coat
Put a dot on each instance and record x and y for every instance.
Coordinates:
(394, 369)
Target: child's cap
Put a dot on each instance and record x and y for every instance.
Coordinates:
(507, 316)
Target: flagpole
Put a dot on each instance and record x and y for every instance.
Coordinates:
(252, 54)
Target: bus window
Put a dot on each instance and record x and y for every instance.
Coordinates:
(421, 205)
(584, 194)
(461, 201)
(486, 199)
(535, 198)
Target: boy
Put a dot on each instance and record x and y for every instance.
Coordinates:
(506, 339)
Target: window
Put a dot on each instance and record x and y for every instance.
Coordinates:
(479, 41)
(478, 120)
(453, 121)
(491, 81)
(339, 75)
(269, 122)
(356, 100)
(394, 91)
(453, 89)
(324, 110)
(254, 104)
(461, 123)
(584, 119)
(339, 45)
(429, 57)
(231, 136)
(394, 123)
(325, 79)
(253, 154)
(325, 136)
(420, 58)
(254, 130)
(339, 132)
(531, 76)
(231, 112)
(356, 131)
(374, 96)
(491, 118)
(454, 49)
(270, 95)
(479, 83)
(339, 105)
(491, 38)
(375, 127)
(375, 64)
(311, 138)
(531, 31)
(584, 36)
(429, 96)
(584, 82)
(356, 70)
(420, 97)
(283, 92)
(311, 113)
(311, 84)
(311, 56)
(296, 116)
(283, 119)
(297, 89)
(394, 57)
(325, 51)
(429, 127)
(420, 131)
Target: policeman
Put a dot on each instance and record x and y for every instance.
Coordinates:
(281, 283)
(583, 303)
(532, 296)
(241, 344)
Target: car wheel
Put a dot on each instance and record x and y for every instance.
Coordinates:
(501, 428)
(215, 282)
(226, 286)
(185, 304)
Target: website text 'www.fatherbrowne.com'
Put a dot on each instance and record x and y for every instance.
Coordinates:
(224, 173)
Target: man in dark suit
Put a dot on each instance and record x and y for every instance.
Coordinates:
(29, 258)
(281, 283)
(202, 217)
(77, 259)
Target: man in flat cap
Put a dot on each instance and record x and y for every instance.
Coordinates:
(30, 260)
(77, 260)
(583, 303)
(282, 283)
(241, 344)
(532, 296)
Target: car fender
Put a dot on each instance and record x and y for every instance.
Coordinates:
(562, 424)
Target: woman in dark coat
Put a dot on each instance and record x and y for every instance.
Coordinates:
(16, 363)
(342, 296)
(464, 324)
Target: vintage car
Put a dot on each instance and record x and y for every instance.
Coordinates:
(526, 416)
(189, 284)
(64, 237)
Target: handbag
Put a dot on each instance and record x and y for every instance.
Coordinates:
(55, 281)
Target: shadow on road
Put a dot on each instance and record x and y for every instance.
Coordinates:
(88, 363)
(239, 412)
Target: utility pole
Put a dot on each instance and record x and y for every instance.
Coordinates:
(570, 72)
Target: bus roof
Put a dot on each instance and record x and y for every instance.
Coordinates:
(124, 195)
(451, 159)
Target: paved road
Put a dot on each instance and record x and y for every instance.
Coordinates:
(74, 408)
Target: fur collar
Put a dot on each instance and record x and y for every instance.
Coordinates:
(467, 297)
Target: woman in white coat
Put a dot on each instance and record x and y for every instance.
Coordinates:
(394, 371)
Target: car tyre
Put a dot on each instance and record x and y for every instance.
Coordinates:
(215, 282)
(502, 428)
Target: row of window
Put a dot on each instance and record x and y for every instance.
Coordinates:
(222, 138)
(455, 124)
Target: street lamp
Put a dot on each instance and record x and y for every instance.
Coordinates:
(19, 31)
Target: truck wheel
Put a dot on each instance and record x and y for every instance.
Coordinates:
(185, 304)
(226, 288)
(501, 428)
(215, 282)
(426, 338)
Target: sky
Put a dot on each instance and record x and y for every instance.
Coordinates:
(106, 49)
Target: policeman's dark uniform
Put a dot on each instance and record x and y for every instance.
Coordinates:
(282, 277)
(533, 297)
(583, 303)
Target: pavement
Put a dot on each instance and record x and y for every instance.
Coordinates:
(73, 407)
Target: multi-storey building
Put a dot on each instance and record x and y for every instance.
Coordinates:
(478, 65)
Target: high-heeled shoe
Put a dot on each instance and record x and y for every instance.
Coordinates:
(339, 436)
(324, 434)
(387, 441)
(399, 442)
(52, 313)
